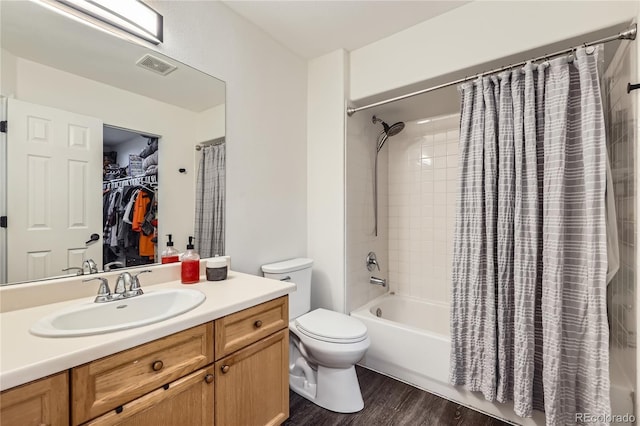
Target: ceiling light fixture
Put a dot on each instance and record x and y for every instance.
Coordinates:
(132, 16)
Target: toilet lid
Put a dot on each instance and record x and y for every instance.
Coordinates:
(330, 326)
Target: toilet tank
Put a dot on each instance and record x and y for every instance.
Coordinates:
(297, 271)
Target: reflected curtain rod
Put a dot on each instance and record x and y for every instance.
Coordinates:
(218, 141)
(628, 34)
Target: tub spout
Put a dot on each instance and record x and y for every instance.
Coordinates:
(378, 281)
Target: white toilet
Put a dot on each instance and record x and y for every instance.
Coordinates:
(324, 346)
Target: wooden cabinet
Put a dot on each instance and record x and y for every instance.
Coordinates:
(109, 382)
(173, 380)
(252, 384)
(43, 402)
(187, 401)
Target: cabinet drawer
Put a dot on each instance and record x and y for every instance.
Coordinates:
(43, 402)
(107, 383)
(187, 401)
(238, 330)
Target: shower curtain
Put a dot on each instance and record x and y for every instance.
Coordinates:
(529, 320)
(210, 201)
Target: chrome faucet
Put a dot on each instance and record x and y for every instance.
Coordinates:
(378, 281)
(127, 285)
(89, 267)
(372, 262)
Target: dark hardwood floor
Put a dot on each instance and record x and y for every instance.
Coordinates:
(388, 402)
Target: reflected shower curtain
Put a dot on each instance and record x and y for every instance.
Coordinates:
(529, 320)
(210, 201)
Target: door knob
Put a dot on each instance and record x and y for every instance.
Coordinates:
(92, 239)
(225, 369)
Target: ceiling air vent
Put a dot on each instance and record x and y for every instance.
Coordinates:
(156, 65)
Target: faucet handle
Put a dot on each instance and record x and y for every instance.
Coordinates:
(141, 272)
(112, 265)
(78, 272)
(104, 292)
(372, 262)
(135, 283)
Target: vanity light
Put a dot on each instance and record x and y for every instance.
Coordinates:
(132, 16)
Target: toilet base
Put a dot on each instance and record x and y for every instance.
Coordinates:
(336, 389)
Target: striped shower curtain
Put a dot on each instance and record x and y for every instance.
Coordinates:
(529, 320)
(210, 201)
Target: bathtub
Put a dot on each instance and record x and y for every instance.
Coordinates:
(410, 342)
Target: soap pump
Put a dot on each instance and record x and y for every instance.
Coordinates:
(190, 267)
(170, 254)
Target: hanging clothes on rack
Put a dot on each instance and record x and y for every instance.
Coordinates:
(146, 248)
(129, 208)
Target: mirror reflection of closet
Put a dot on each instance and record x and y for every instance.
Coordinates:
(129, 196)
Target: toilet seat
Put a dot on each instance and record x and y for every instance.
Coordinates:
(329, 326)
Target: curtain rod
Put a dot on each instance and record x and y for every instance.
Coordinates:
(628, 34)
(218, 141)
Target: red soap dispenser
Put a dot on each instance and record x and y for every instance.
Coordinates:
(190, 265)
(170, 254)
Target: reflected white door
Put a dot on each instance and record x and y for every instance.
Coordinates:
(57, 156)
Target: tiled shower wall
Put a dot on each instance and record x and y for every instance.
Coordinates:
(423, 169)
(621, 141)
(362, 136)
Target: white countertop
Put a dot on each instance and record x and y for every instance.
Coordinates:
(25, 357)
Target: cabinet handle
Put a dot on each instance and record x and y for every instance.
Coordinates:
(157, 366)
(257, 324)
(225, 369)
(208, 378)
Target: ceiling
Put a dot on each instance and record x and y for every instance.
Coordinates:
(77, 48)
(313, 28)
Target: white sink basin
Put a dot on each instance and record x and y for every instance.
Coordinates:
(97, 318)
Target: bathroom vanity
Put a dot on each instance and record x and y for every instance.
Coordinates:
(224, 363)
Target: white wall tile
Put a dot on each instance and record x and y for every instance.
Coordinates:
(422, 220)
(621, 142)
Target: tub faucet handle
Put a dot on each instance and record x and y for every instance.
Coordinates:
(372, 262)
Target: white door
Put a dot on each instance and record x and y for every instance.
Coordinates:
(57, 156)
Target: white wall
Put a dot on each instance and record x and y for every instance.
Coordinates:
(266, 127)
(362, 136)
(473, 34)
(325, 173)
(210, 124)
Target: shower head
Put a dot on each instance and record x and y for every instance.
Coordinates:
(392, 130)
(387, 132)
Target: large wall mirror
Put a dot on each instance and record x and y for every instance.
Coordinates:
(99, 135)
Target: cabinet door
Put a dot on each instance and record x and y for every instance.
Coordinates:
(43, 402)
(252, 385)
(187, 401)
